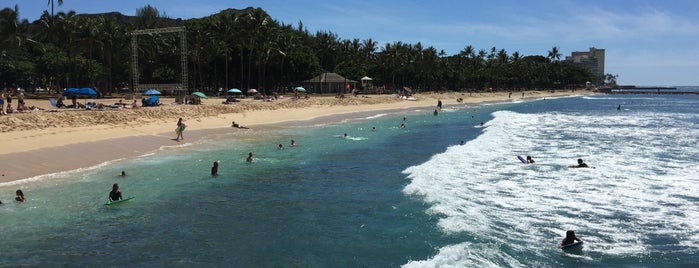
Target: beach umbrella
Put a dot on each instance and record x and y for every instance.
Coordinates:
(199, 94)
(151, 92)
(234, 90)
(252, 91)
(86, 91)
(300, 89)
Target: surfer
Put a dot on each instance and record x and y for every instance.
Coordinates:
(214, 169)
(570, 238)
(618, 108)
(402, 125)
(293, 143)
(530, 160)
(462, 143)
(581, 164)
(115, 194)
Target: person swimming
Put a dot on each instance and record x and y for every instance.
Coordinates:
(280, 146)
(530, 160)
(249, 159)
(293, 143)
(123, 173)
(20, 196)
(581, 164)
(115, 194)
(570, 238)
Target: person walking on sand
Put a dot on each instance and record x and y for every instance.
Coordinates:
(439, 104)
(180, 128)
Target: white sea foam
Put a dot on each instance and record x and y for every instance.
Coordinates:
(62, 174)
(375, 116)
(643, 185)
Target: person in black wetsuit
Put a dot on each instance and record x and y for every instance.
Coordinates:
(581, 164)
(115, 194)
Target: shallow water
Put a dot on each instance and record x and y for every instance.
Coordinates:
(389, 197)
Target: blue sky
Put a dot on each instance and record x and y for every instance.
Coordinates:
(647, 42)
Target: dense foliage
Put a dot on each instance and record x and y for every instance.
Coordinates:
(247, 49)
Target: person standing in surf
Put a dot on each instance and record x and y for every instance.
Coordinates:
(115, 194)
(180, 128)
(214, 169)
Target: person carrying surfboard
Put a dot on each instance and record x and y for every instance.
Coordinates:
(115, 194)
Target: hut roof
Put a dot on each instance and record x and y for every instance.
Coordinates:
(329, 78)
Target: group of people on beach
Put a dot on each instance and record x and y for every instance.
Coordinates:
(6, 96)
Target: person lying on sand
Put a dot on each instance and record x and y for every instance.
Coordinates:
(233, 124)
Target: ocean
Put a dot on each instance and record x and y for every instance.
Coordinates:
(389, 196)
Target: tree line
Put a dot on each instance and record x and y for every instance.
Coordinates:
(248, 49)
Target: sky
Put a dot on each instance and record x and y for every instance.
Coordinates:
(647, 42)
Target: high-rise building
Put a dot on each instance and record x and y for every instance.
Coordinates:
(593, 60)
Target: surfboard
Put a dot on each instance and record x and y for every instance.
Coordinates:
(524, 161)
(573, 245)
(109, 203)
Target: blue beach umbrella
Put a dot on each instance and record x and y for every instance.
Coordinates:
(200, 94)
(234, 90)
(86, 91)
(300, 89)
(151, 92)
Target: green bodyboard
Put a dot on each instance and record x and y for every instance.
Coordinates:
(109, 203)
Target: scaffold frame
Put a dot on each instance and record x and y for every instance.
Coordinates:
(183, 85)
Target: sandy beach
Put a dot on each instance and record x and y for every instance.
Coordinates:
(44, 142)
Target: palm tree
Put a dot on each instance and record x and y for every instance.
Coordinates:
(50, 2)
(554, 54)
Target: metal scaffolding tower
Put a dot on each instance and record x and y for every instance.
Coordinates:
(183, 55)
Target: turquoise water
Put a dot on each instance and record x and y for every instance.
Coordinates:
(392, 197)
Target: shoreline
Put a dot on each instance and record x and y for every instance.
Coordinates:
(28, 154)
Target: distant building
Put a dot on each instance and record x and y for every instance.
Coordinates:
(593, 60)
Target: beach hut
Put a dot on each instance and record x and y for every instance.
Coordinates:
(329, 83)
